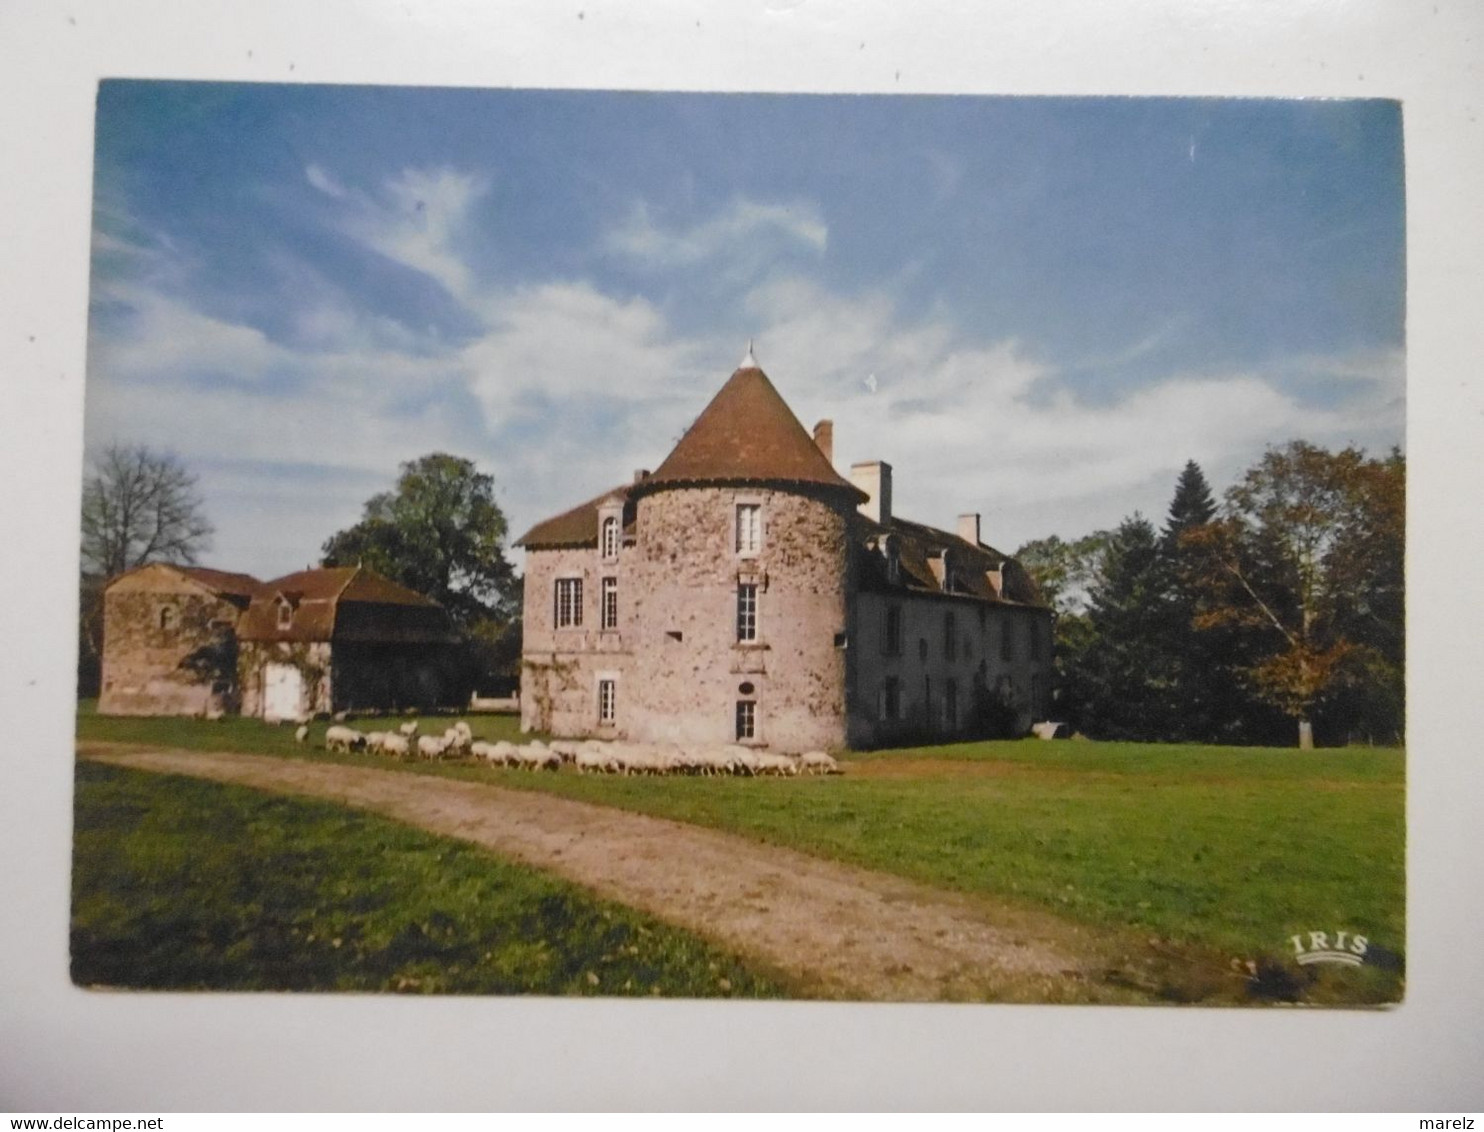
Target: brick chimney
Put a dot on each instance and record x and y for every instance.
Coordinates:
(968, 528)
(824, 438)
(874, 478)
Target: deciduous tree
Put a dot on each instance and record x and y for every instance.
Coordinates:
(1306, 562)
(440, 532)
(140, 506)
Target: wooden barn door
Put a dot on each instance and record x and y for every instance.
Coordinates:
(283, 691)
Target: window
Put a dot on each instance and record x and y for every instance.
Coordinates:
(167, 618)
(285, 615)
(608, 614)
(893, 563)
(568, 603)
(747, 611)
(950, 637)
(749, 528)
(610, 537)
(950, 704)
(746, 719)
(891, 637)
(607, 701)
(1035, 636)
(891, 698)
(1007, 639)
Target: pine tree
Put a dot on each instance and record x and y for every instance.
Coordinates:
(1211, 705)
(1125, 672)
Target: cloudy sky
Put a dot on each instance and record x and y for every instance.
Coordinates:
(1038, 309)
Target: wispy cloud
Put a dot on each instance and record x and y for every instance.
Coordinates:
(739, 233)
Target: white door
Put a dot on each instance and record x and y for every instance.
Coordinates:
(283, 691)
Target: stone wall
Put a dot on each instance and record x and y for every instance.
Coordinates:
(925, 670)
(311, 658)
(689, 670)
(560, 668)
(168, 648)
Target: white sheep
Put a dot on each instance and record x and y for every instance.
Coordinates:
(408, 729)
(818, 762)
(769, 763)
(346, 739)
(301, 734)
(374, 740)
(431, 746)
(395, 745)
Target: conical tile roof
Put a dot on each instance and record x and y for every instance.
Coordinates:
(748, 434)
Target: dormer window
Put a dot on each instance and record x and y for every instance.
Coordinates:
(611, 535)
(285, 614)
(167, 618)
(893, 562)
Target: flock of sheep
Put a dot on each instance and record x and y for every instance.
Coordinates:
(588, 756)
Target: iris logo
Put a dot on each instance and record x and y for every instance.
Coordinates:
(1347, 949)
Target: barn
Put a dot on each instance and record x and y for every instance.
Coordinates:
(185, 640)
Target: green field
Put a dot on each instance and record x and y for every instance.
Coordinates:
(181, 884)
(1228, 851)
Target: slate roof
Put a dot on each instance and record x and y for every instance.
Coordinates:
(979, 571)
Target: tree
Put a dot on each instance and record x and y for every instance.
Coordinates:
(1212, 703)
(139, 506)
(440, 532)
(1066, 572)
(1306, 560)
(1124, 674)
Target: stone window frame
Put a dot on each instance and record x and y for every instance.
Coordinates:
(567, 610)
(605, 695)
(610, 537)
(748, 622)
(608, 604)
(745, 721)
(168, 619)
(754, 547)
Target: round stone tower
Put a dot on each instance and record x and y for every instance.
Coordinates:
(741, 581)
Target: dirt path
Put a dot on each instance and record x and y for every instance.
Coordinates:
(840, 931)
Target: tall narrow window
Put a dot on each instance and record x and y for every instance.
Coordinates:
(607, 701)
(749, 528)
(167, 617)
(1007, 639)
(950, 637)
(1035, 636)
(891, 638)
(610, 537)
(609, 613)
(285, 615)
(746, 719)
(568, 603)
(891, 698)
(950, 704)
(747, 611)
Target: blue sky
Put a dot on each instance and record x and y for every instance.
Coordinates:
(1038, 309)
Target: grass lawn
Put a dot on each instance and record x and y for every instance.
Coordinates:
(182, 884)
(1229, 850)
